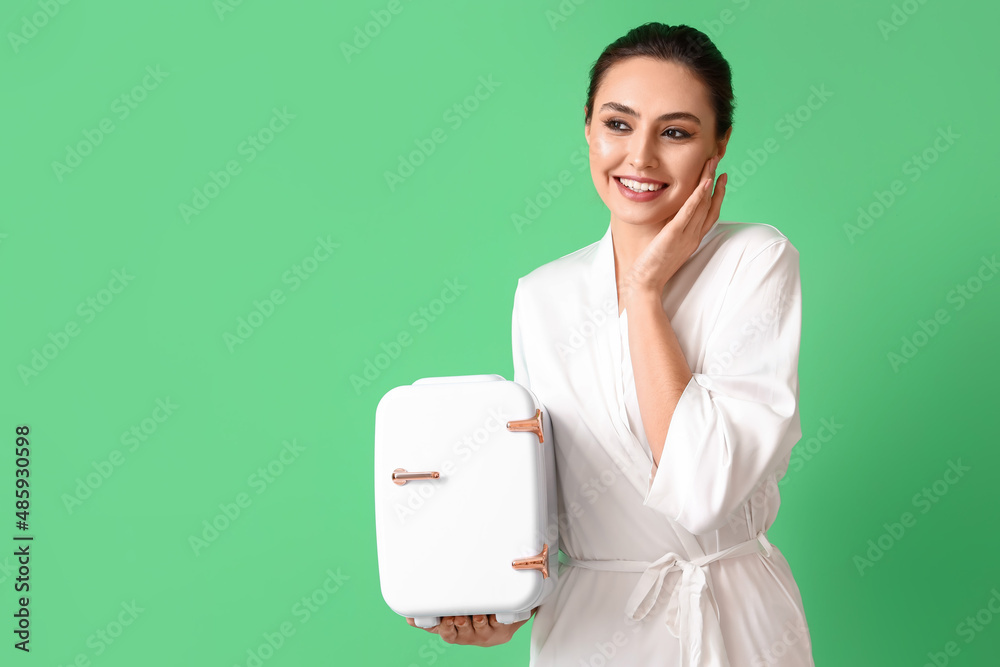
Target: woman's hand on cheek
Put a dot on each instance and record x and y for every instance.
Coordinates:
(680, 237)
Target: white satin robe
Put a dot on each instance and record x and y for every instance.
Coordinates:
(735, 306)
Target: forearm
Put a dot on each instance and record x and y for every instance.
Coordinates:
(658, 366)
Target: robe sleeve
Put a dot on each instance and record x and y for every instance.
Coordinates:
(737, 421)
(517, 348)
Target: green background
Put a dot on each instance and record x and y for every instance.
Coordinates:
(322, 176)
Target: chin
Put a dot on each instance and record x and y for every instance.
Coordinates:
(640, 220)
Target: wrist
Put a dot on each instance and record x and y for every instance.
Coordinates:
(642, 296)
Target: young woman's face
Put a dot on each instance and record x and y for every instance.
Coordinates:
(652, 121)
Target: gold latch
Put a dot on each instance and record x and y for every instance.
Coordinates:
(539, 562)
(534, 425)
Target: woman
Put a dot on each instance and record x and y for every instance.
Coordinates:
(667, 356)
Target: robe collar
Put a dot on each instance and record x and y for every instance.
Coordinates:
(625, 448)
(603, 295)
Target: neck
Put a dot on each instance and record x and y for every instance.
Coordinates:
(629, 241)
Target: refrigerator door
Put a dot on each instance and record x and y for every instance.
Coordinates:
(461, 501)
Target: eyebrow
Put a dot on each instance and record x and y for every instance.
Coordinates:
(674, 115)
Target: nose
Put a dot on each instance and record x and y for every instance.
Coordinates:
(642, 151)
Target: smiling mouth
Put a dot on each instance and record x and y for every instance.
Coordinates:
(637, 186)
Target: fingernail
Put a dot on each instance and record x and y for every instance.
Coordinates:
(460, 621)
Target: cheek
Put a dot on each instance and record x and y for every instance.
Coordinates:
(600, 163)
(601, 151)
(682, 192)
(688, 171)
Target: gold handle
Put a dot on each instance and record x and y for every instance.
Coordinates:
(401, 477)
(534, 425)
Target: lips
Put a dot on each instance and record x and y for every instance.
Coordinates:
(651, 185)
(639, 196)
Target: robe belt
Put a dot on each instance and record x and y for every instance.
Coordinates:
(692, 611)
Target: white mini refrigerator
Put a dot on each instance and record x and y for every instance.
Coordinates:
(465, 499)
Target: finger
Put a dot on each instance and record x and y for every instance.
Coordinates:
(709, 168)
(481, 626)
(708, 172)
(704, 202)
(413, 623)
(463, 625)
(446, 630)
(716, 207)
(689, 210)
(701, 193)
(678, 225)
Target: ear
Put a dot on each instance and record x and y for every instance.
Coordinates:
(723, 142)
(586, 126)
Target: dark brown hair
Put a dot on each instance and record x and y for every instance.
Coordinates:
(681, 44)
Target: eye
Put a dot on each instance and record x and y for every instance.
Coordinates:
(613, 123)
(616, 125)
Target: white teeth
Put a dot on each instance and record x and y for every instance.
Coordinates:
(640, 187)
